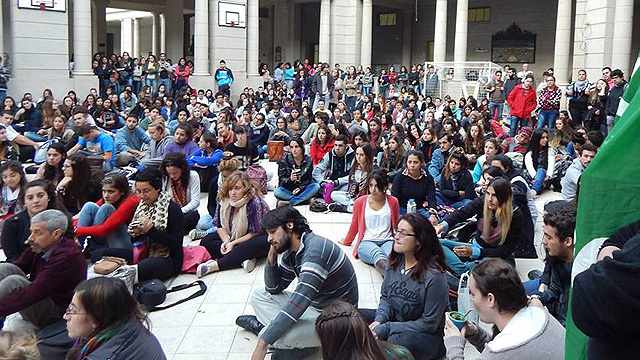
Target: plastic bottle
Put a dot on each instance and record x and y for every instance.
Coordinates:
(411, 206)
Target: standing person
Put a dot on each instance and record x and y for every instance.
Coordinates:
(414, 294)
(286, 319)
(224, 78)
(5, 74)
(322, 86)
(495, 89)
(351, 86)
(522, 101)
(183, 71)
(294, 173)
(150, 72)
(521, 330)
(549, 102)
(165, 71)
(510, 82)
(578, 95)
(431, 81)
(367, 81)
(620, 85)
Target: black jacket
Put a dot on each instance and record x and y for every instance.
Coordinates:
(133, 342)
(15, 232)
(421, 190)
(316, 83)
(464, 183)
(287, 165)
(556, 297)
(615, 94)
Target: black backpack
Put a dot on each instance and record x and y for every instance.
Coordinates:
(152, 293)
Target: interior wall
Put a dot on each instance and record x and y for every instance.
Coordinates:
(387, 40)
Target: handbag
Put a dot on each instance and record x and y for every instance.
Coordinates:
(259, 176)
(318, 205)
(275, 150)
(108, 264)
(152, 293)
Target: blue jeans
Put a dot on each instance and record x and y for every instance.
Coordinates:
(531, 286)
(442, 199)
(153, 83)
(305, 194)
(452, 260)
(547, 118)
(206, 223)
(93, 215)
(32, 135)
(515, 123)
(137, 85)
(262, 149)
(366, 90)
(538, 181)
(493, 106)
(372, 251)
(3, 94)
(424, 212)
(351, 102)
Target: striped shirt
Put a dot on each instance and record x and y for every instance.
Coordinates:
(324, 274)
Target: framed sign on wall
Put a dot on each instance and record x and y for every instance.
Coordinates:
(50, 5)
(513, 45)
(232, 14)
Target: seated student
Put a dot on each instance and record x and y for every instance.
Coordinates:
(498, 231)
(344, 334)
(181, 118)
(321, 144)
(154, 151)
(539, 160)
(12, 186)
(488, 174)
(415, 183)
(280, 132)
(205, 160)
(518, 143)
(243, 149)
(54, 265)
(456, 184)
(27, 146)
(239, 239)
(8, 149)
(520, 330)
(286, 319)
(320, 118)
(414, 294)
(259, 133)
(571, 178)
(491, 148)
(183, 186)
(226, 136)
(182, 141)
(51, 170)
(440, 156)
(294, 174)
(159, 222)
(374, 221)
(106, 221)
(359, 176)
(154, 113)
(79, 184)
(129, 142)
(392, 158)
(107, 323)
(604, 296)
(333, 171)
(96, 144)
(198, 130)
(59, 129)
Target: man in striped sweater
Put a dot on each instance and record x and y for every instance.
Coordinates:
(324, 274)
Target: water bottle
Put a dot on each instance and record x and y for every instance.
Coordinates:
(411, 206)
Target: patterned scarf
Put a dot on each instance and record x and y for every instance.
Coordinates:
(179, 192)
(84, 347)
(158, 212)
(241, 221)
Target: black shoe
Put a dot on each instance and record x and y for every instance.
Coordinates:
(534, 274)
(293, 354)
(335, 207)
(249, 323)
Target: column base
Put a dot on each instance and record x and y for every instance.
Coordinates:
(84, 81)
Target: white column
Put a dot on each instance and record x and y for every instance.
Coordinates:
(81, 37)
(201, 38)
(622, 31)
(367, 30)
(562, 48)
(163, 34)
(214, 34)
(440, 31)
(324, 43)
(2, 32)
(174, 21)
(136, 38)
(407, 25)
(253, 37)
(155, 34)
(126, 35)
(460, 47)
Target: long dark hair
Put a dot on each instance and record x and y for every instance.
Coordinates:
(15, 166)
(78, 189)
(501, 279)
(368, 166)
(458, 155)
(535, 148)
(120, 183)
(429, 252)
(178, 160)
(54, 173)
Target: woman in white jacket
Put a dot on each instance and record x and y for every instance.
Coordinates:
(183, 185)
(540, 160)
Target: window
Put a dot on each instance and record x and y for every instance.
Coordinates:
(480, 14)
(387, 19)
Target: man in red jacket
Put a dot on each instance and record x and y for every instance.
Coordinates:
(522, 101)
(40, 283)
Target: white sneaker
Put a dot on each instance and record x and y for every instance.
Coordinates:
(249, 265)
(204, 268)
(196, 234)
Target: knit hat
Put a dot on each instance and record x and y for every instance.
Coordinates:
(526, 131)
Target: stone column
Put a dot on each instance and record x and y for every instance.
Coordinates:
(174, 21)
(214, 34)
(2, 32)
(460, 48)
(440, 31)
(163, 34)
(81, 37)
(324, 43)
(367, 31)
(622, 31)
(253, 37)
(562, 48)
(201, 38)
(126, 35)
(136, 38)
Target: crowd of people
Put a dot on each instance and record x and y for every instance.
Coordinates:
(435, 187)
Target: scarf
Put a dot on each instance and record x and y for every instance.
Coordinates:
(158, 212)
(85, 347)
(358, 183)
(179, 192)
(241, 223)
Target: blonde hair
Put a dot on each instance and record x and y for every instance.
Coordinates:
(504, 212)
(251, 187)
(15, 347)
(228, 162)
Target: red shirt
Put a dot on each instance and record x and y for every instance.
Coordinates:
(317, 151)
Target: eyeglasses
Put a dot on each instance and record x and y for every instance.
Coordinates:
(70, 311)
(403, 233)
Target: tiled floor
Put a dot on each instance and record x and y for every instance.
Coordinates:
(204, 328)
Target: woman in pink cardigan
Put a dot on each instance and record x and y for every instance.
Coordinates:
(375, 217)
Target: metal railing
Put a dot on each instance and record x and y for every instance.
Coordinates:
(458, 79)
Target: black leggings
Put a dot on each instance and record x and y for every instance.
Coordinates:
(256, 247)
(190, 220)
(578, 113)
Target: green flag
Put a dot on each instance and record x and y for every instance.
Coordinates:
(632, 89)
(609, 197)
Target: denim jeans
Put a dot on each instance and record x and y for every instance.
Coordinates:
(305, 194)
(366, 90)
(452, 260)
(372, 251)
(32, 135)
(538, 180)
(442, 199)
(547, 118)
(3, 94)
(531, 286)
(317, 98)
(351, 102)
(424, 212)
(153, 83)
(611, 121)
(517, 122)
(493, 106)
(93, 215)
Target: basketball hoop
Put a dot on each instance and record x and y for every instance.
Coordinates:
(233, 23)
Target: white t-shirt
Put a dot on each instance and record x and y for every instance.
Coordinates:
(11, 133)
(377, 223)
